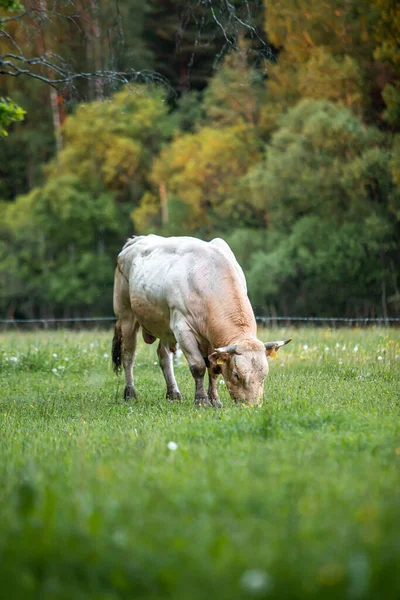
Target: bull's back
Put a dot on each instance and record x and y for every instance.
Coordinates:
(177, 274)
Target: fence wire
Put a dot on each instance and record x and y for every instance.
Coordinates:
(260, 319)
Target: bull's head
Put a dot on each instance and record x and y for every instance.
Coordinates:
(244, 367)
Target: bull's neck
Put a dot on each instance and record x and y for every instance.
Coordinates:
(231, 322)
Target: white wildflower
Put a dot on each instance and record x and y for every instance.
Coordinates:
(255, 581)
(305, 347)
(172, 446)
(66, 359)
(54, 371)
(337, 345)
(105, 355)
(13, 358)
(326, 349)
(355, 349)
(55, 355)
(380, 358)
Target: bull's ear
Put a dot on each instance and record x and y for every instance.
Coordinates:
(271, 348)
(221, 355)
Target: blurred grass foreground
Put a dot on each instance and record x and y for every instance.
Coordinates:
(103, 499)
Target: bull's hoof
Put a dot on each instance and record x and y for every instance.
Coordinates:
(202, 402)
(174, 396)
(129, 393)
(215, 401)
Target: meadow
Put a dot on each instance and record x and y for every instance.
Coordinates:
(298, 499)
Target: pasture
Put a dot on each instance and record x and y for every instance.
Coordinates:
(298, 499)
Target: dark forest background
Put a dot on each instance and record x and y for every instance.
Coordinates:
(275, 125)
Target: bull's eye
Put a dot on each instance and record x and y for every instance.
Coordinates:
(235, 374)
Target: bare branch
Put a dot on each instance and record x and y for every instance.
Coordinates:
(229, 22)
(228, 41)
(4, 34)
(67, 78)
(15, 17)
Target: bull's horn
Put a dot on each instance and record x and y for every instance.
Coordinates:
(228, 349)
(275, 345)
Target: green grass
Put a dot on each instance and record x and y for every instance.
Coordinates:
(297, 499)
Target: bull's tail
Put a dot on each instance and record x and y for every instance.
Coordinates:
(116, 349)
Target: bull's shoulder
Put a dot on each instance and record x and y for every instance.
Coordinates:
(225, 249)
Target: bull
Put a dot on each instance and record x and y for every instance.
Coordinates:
(181, 290)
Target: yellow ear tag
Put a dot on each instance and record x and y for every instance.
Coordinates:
(220, 361)
(273, 354)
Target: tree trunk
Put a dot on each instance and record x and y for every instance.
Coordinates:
(56, 103)
(164, 203)
(57, 122)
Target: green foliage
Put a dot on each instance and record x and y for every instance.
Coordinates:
(326, 77)
(235, 93)
(11, 5)
(394, 198)
(61, 241)
(301, 270)
(9, 113)
(245, 243)
(189, 113)
(327, 190)
(298, 499)
(199, 171)
(62, 237)
(112, 143)
(391, 95)
(324, 161)
(385, 22)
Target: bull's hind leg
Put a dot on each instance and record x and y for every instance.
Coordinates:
(129, 330)
(125, 336)
(166, 364)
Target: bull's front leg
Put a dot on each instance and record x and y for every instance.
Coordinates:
(198, 371)
(213, 375)
(197, 366)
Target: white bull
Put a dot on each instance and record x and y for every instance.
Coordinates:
(183, 290)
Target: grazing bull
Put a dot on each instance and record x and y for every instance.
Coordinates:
(186, 291)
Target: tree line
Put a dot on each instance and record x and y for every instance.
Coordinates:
(276, 129)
